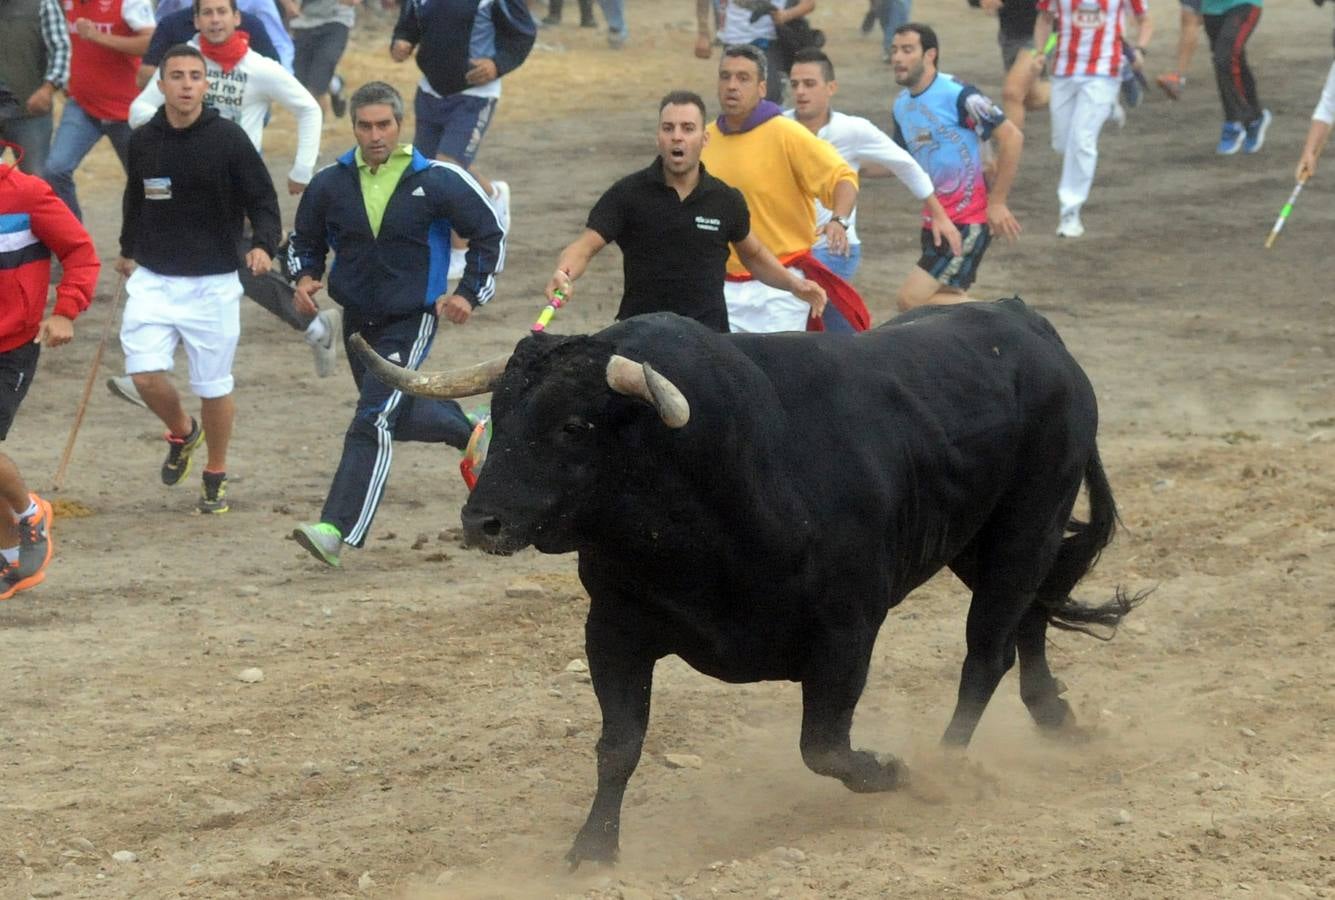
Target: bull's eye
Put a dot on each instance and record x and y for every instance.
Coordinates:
(577, 426)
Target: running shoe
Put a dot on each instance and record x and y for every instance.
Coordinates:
(179, 450)
(338, 104)
(1119, 114)
(1255, 139)
(1231, 137)
(214, 498)
(1172, 84)
(326, 350)
(122, 386)
(321, 540)
(35, 544)
(1070, 226)
(10, 584)
(868, 22)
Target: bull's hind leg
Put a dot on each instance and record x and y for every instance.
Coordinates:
(827, 718)
(1039, 689)
(990, 640)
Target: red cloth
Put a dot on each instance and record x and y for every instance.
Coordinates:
(34, 223)
(840, 293)
(101, 79)
(229, 52)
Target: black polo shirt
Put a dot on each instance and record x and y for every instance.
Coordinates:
(675, 251)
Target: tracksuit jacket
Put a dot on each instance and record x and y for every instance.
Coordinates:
(34, 223)
(402, 270)
(442, 29)
(187, 193)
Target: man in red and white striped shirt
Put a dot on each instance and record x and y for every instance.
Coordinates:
(1086, 76)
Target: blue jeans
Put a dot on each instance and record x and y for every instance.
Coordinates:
(77, 134)
(614, 11)
(891, 14)
(33, 134)
(845, 267)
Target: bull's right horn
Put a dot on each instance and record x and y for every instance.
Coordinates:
(626, 376)
(476, 379)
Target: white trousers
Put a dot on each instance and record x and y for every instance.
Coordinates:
(203, 312)
(1080, 105)
(755, 307)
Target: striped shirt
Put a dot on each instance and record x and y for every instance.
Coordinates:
(1089, 34)
(56, 36)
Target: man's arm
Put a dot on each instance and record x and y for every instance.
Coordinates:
(131, 45)
(1042, 28)
(259, 200)
(768, 270)
(704, 28)
(55, 226)
(308, 248)
(407, 32)
(573, 261)
(148, 102)
(1010, 141)
(131, 202)
(462, 202)
(1319, 131)
(56, 38)
(282, 87)
(796, 11)
(516, 33)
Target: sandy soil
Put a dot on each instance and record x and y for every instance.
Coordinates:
(416, 733)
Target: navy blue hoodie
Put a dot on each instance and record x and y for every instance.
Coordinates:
(402, 270)
(442, 29)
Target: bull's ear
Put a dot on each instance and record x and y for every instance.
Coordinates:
(632, 379)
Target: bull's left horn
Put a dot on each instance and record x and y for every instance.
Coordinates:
(626, 376)
(476, 379)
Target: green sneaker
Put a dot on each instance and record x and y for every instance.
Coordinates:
(214, 498)
(321, 540)
(179, 449)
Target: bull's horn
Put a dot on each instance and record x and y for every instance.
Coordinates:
(476, 379)
(626, 376)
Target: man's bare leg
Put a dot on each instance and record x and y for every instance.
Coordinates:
(218, 414)
(921, 289)
(13, 500)
(160, 397)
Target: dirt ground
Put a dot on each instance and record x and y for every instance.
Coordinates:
(416, 733)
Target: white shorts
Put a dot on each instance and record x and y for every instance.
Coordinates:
(202, 311)
(756, 308)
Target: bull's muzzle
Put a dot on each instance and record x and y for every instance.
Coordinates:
(488, 533)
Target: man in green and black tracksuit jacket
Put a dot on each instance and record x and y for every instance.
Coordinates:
(386, 212)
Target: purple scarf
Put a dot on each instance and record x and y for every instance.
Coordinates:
(764, 111)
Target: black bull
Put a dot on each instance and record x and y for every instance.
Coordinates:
(759, 506)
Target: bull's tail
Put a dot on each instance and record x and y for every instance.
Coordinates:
(1080, 550)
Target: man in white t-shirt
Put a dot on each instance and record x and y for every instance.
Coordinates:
(867, 149)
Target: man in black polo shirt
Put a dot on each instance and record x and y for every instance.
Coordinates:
(674, 222)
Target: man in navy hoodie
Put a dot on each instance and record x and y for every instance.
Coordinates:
(387, 212)
(464, 49)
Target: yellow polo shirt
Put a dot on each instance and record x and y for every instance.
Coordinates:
(377, 186)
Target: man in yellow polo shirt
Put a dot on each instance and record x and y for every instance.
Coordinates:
(386, 211)
(780, 167)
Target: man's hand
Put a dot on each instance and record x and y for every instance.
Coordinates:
(39, 103)
(991, 7)
(1000, 220)
(1306, 166)
(944, 229)
(294, 187)
(124, 266)
(560, 281)
(400, 50)
(86, 29)
(836, 238)
(812, 294)
(291, 7)
(454, 308)
(481, 71)
(258, 261)
(55, 331)
(703, 46)
(303, 295)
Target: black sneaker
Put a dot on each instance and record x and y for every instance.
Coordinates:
(179, 450)
(338, 104)
(214, 498)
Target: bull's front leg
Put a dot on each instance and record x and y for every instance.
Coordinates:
(827, 718)
(622, 680)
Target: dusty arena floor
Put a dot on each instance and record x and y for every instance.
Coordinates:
(416, 733)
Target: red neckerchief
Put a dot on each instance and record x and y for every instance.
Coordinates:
(229, 52)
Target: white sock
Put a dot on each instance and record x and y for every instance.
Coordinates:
(317, 331)
(30, 511)
(11, 554)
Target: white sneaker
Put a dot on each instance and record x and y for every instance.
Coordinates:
(500, 201)
(122, 386)
(326, 350)
(1119, 114)
(1070, 226)
(456, 271)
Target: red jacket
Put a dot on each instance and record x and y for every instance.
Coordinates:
(34, 223)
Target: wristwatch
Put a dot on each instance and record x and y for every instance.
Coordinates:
(840, 220)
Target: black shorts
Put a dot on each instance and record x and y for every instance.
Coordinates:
(955, 271)
(16, 370)
(316, 54)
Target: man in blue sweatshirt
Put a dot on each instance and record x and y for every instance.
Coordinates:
(387, 212)
(464, 49)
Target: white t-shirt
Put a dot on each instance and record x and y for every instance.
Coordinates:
(860, 142)
(1325, 108)
(739, 29)
(243, 95)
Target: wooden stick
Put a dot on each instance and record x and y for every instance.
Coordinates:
(59, 480)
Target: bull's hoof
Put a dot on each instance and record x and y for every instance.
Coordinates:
(876, 773)
(593, 846)
(1052, 713)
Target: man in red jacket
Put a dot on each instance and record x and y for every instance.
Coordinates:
(34, 223)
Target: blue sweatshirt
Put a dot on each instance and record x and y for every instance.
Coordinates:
(443, 32)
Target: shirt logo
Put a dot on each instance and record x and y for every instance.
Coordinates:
(418, 192)
(394, 357)
(705, 223)
(157, 188)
